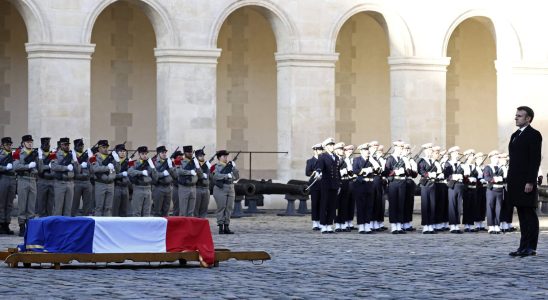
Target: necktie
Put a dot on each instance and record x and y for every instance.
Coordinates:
(496, 169)
(516, 134)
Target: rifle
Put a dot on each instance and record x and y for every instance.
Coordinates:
(418, 154)
(386, 153)
(85, 156)
(32, 156)
(173, 154)
(212, 158)
(229, 167)
(7, 159)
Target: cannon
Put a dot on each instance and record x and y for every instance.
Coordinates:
(244, 189)
(264, 187)
(303, 209)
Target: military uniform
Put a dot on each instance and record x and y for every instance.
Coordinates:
(224, 176)
(64, 167)
(121, 206)
(495, 189)
(161, 194)
(25, 166)
(457, 190)
(363, 189)
(142, 175)
(310, 171)
(377, 222)
(411, 171)
(175, 186)
(470, 197)
(45, 182)
(328, 166)
(202, 187)
(82, 184)
(7, 186)
(187, 176)
(395, 171)
(104, 169)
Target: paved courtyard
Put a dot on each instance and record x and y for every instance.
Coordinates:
(308, 265)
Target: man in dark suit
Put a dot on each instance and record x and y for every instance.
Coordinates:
(328, 166)
(525, 148)
(310, 171)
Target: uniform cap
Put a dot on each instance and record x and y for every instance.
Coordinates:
(102, 143)
(79, 142)
(381, 147)
(328, 141)
(6, 140)
(142, 149)
(120, 147)
(339, 145)
(317, 147)
(161, 149)
(398, 143)
(45, 140)
(349, 147)
(407, 146)
(427, 145)
(199, 152)
(363, 146)
(27, 138)
(373, 143)
(469, 151)
(436, 148)
(453, 149)
(64, 140)
(187, 149)
(503, 155)
(493, 153)
(479, 154)
(221, 153)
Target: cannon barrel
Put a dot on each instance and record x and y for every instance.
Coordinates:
(266, 187)
(244, 189)
(297, 182)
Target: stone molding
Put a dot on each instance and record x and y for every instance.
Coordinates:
(522, 67)
(187, 56)
(60, 51)
(319, 60)
(413, 63)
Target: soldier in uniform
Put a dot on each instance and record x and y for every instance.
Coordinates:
(7, 185)
(395, 171)
(493, 175)
(328, 166)
(455, 174)
(411, 171)
(469, 199)
(507, 209)
(121, 207)
(363, 189)
(202, 185)
(344, 193)
(142, 174)
(187, 176)
(427, 171)
(82, 184)
(314, 185)
(104, 168)
(45, 181)
(351, 204)
(224, 175)
(480, 206)
(161, 195)
(64, 167)
(24, 165)
(378, 162)
(176, 156)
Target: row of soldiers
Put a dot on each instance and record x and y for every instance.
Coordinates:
(109, 183)
(456, 188)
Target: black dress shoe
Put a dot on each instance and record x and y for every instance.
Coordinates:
(512, 229)
(331, 231)
(369, 232)
(348, 229)
(325, 232)
(395, 232)
(527, 252)
(362, 232)
(474, 230)
(410, 229)
(401, 231)
(316, 228)
(483, 229)
(457, 231)
(467, 230)
(338, 230)
(515, 253)
(382, 228)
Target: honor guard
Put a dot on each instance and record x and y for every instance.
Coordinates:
(176, 158)
(328, 167)
(469, 199)
(378, 162)
(45, 181)
(493, 175)
(428, 174)
(121, 206)
(142, 175)
(455, 175)
(7, 185)
(411, 172)
(351, 204)
(25, 166)
(104, 168)
(187, 176)
(202, 185)
(64, 166)
(507, 209)
(479, 159)
(161, 195)
(363, 189)
(82, 184)
(442, 215)
(344, 193)
(395, 172)
(224, 175)
(314, 185)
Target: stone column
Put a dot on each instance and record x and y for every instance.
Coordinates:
(186, 95)
(59, 90)
(306, 108)
(417, 99)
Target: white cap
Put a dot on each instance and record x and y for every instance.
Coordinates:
(398, 143)
(339, 145)
(373, 143)
(493, 153)
(328, 141)
(349, 147)
(436, 148)
(427, 145)
(453, 149)
(363, 146)
(469, 151)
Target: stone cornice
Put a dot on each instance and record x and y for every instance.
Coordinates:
(413, 63)
(522, 67)
(321, 60)
(60, 51)
(188, 56)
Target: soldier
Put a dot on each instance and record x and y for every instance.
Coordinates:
(187, 176)
(479, 220)
(455, 174)
(427, 171)
(351, 204)
(378, 162)
(411, 172)
(441, 215)
(104, 168)
(202, 185)
(121, 206)
(344, 193)
(493, 175)
(161, 194)
(395, 171)
(142, 174)
(24, 165)
(7, 185)
(176, 156)
(507, 209)
(64, 166)
(328, 166)
(363, 189)
(224, 175)
(45, 182)
(314, 185)
(470, 198)
(82, 184)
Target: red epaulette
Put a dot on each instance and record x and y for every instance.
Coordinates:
(92, 159)
(52, 156)
(177, 161)
(16, 154)
(131, 163)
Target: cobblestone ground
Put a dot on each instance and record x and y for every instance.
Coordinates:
(306, 264)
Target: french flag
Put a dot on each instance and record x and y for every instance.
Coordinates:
(120, 235)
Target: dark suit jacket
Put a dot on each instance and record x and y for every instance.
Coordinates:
(524, 153)
(310, 168)
(330, 168)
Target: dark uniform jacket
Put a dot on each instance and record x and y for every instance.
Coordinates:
(329, 166)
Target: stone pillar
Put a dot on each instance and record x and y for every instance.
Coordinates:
(59, 90)
(306, 108)
(417, 99)
(186, 95)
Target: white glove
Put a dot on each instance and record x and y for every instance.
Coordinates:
(205, 176)
(32, 165)
(110, 166)
(466, 171)
(192, 172)
(145, 173)
(400, 171)
(150, 163)
(229, 175)
(472, 179)
(84, 165)
(166, 173)
(40, 153)
(124, 173)
(441, 176)
(319, 175)
(498, 179)
(208, 165)
(483, 181)
(169, 163)
(457, 176)
(432, 174)
(74, 157)
(344, 172)
(9, 166)
(367, 170)
(70, 168)
(234, 164)
(90, 153)
(115, 156)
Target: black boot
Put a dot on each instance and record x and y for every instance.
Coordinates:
(221, 230)
(22, 229)
(227, 230)
(7, 228)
